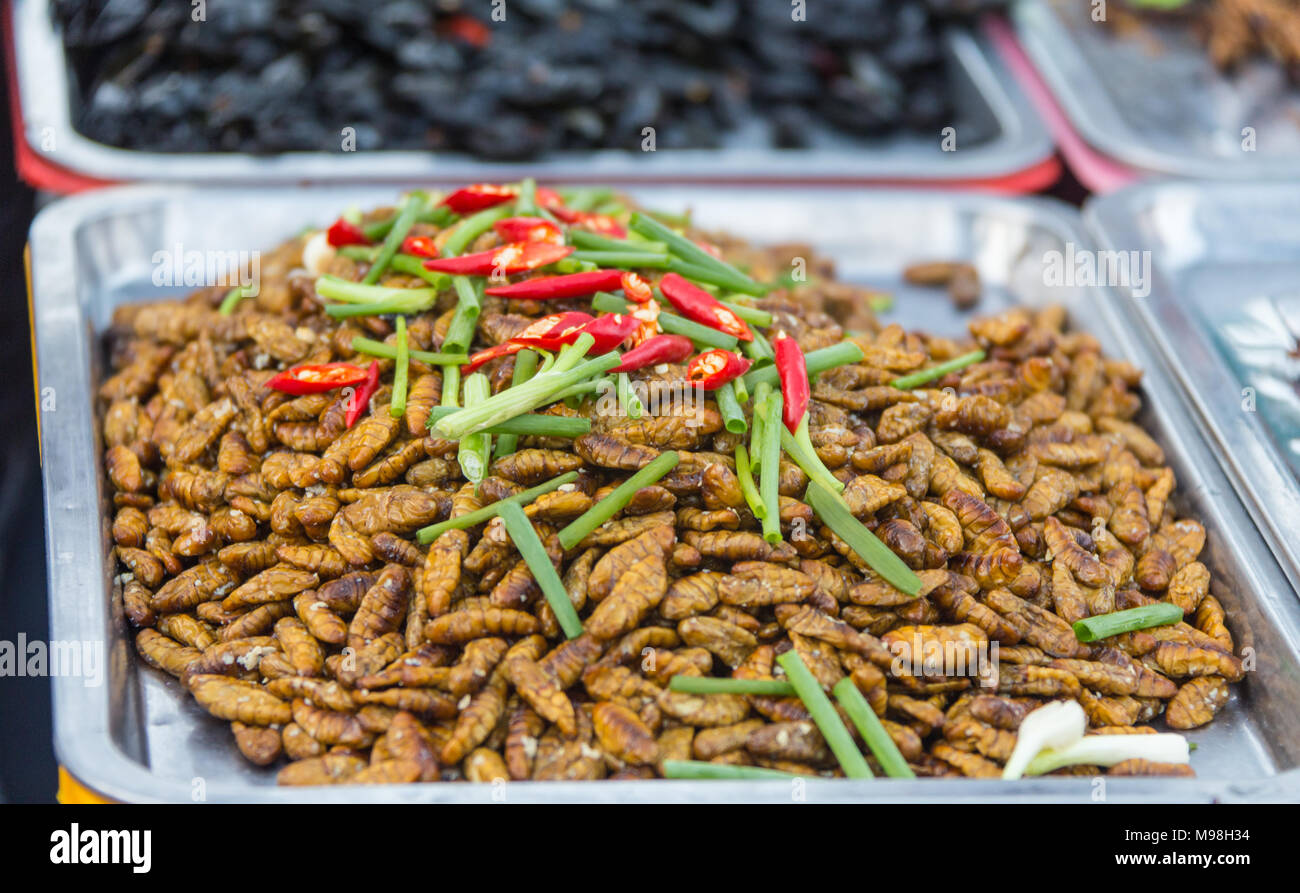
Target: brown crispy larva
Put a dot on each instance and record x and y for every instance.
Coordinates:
(269, 557)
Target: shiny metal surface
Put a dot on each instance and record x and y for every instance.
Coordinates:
(139, 737)
(1225, 310)
(1154, 101)
(997, 134)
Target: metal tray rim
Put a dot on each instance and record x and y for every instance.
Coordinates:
(74, 528)
(43, 88)
(1048, 43)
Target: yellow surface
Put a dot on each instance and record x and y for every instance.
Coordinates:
(73, 791)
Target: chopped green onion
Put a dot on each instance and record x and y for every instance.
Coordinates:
(450, 387)
(414, 266)
(916, 379)
(817, 361)
(880, 302)
(530, 424)
(397, 404)
(708, 685)
(428, 534)
(830, 507)
(671, 323)
(628, 402)
(526, 203)
(739, 389)
(335, 289)
(357, 252)
(469, 304)
(232, 299)
(569, 369)
(735, 282)
(733, 417)
(768, 403)
(747, 486)
(694, 255)
(800, 448)
(474, 226)
(525, 367)
(439, 215)
(622, 259)
(751, 315)
(587, 197)
(602, 511)
(872, 732)
(1102, 626)
(402, 224)
(760, 351)
(534, 554)
(823, 714)
(589, 241)
(389, 352)
(1107, 750)
(475, 449)
(698, 769)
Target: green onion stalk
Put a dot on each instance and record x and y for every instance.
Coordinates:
(747, 486)
(525, 368)
(767, 405)
(475, 449)
(824, 715)
(415, 203)
(924, 376)
(372, 300)
(530, 424)
(569, 369)
(598, 514)
(479, 516)
(530, 547)
(830, 507)
(800, 448)
(401, 371)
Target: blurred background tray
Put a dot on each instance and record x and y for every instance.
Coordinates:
(140, 737)
(1155, 101)
(1000, 141)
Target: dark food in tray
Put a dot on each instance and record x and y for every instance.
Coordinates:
(318, 566)
(263, 76)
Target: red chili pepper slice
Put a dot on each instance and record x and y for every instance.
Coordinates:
(313, 378)
(546, 333)
(714, 368)
(569, 285)
(420, 246)
(610, 331)
(793, 373)
(528, 229)
(597, 223)
(554, 331)
(505, 260)
(637, 289)
(656, 350)
(550, 200)
(345, 232)
(698, 305)
(479, 196)
(361, 396)
(648, 317)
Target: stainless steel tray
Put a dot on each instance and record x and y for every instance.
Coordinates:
(1155, 101)
(1226, 264)
(997, 134)
(139, 737)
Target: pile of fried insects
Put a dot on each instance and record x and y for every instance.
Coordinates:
(531, 484)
